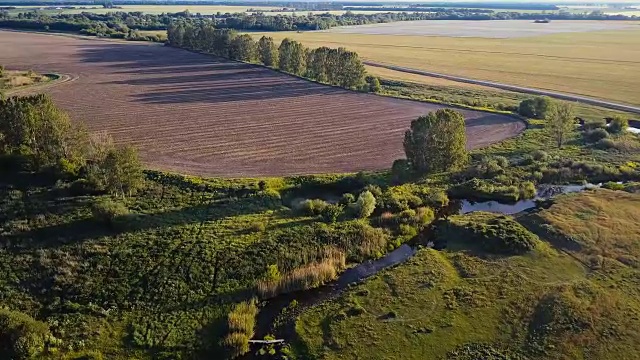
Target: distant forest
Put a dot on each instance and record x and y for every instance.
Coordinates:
(125, 25)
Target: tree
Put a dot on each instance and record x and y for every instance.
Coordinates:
(560, 122)
(243, 48)
(374, 84)
(618, 124)
(267, 51)
(21, 337)
(35, 128)
(535, 108)
(116, 169)
(293, 57)
(436, 142)
(365, 205)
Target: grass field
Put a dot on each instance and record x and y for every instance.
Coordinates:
(12, 79)
(604, 65)
(463, 304)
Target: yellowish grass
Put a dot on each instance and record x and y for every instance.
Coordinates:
(306, 277)
(599, 64)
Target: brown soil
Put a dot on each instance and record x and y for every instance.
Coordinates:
(200, 115)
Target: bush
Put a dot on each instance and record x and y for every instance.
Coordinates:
(595, 124)
(606, 144)
(331, 213)
(347, 199)
(540, 155)
(108, 211)
(82, 187)
(365, 205)
(494, 234)
(618, 124)
(257, 227)
(21, 337)
(596, 135)
(535, 108)
(312, 207)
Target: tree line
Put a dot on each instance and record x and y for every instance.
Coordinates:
(123, 24)
(36, 136)
(338, 67)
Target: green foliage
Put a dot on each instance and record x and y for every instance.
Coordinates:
(560, 122)
(267, 52)
(437, 142)
(335, 66)
(34, 127)
(373, 83)
(312, 207)
(536, 108)
(21, 337)
(117, 170)
(493, 234)
(540, 155)
(618, 124)
(331, 213)
(593, 136)
(241, 322)
(108, 211)
(482, 190)
(292, 56)
(365, 205)
(243, 48)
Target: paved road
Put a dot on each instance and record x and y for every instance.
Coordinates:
(563, 96)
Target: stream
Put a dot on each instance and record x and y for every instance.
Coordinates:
(278, 318)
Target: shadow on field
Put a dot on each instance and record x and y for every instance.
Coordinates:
(168, 75)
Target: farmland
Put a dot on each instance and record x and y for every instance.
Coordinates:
(600, 64)
(196, 114)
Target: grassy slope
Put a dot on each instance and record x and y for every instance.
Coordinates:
(444, 300)
(598, 64)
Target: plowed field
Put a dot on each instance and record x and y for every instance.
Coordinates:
(196, 114)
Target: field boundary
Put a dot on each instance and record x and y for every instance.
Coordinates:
(502, 86)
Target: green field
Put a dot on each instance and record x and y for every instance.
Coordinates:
(461, 303)
(598, 64)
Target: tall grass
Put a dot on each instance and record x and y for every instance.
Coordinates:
(241, 322)
(305, 277)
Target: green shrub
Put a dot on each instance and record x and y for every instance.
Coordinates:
(540, 155)
(331, 213)
(606, 144)
(257, 227)
(535, 108)
(108, 211)
(347, 199)
(312, 207)
(494, 234)
(596, 135)
(618, 124)
(21, 337)
(82, 187)
(595, 124)
(241, 322)
(613, 186)
(365, 205)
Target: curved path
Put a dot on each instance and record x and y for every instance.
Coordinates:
(557, 95)
(195, 114)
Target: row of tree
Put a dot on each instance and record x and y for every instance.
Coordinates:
(260, 21)
(37, 136)
(338, 67)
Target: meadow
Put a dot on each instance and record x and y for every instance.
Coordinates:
(600, 64)
(462, 302)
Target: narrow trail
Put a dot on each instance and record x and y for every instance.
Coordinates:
(553, 94)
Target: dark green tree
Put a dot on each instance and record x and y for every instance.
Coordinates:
(268, 51)
(437, 142)
(293, 57)
(243, 48)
